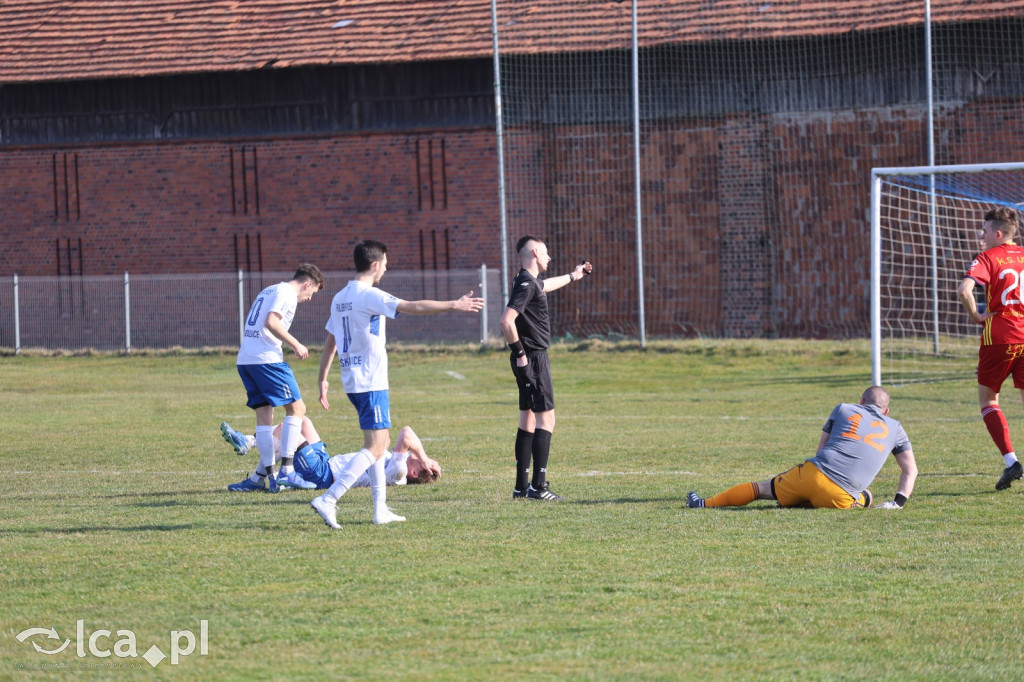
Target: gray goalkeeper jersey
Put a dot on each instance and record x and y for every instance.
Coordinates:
(860, 439)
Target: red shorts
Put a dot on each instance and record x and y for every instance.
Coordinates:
(998, 361)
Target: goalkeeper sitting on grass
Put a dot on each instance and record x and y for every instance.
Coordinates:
(855, 443)
(407, 463)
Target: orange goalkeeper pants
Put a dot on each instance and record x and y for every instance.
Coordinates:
(805, 485)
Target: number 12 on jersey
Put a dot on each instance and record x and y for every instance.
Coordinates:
(878, 432)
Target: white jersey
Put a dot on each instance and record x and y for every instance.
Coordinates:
(357, 320)
(259, 346)
(395, 468)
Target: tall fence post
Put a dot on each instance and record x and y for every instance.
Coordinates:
(483, 313)
(638, 186)
(241, 309)
(17, 319)
(127, 316)
(499, 126)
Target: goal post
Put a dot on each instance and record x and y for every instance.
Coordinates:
(925, 222)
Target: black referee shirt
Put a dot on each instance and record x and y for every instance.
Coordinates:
(529, 300)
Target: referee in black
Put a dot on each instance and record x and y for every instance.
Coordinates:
(527, 329)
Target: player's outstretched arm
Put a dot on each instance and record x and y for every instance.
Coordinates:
(326, 360)
(466, 303)
(559, 281)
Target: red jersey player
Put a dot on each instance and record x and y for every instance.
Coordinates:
(1000, 270)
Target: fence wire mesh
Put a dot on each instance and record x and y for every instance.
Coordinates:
(202, 310)
(759, 126)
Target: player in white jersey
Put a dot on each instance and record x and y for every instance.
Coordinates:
(408, 463)
(356, 334)
(269, 381)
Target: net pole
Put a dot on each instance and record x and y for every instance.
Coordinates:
(637, 186)
(500, 133)
(929, 89)
(876, 279)
(933, 230)
(483, 312)
(933, 235)
(241, 308)
(127, 315)
(17, 318)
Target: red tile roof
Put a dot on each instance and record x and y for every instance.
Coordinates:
(74, 39)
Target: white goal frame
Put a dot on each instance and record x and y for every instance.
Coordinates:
(878, 175)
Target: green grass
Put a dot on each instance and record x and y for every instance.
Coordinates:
(114, 511)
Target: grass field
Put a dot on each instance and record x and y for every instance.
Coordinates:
(114, 512)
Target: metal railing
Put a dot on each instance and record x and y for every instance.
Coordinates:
(197, 311)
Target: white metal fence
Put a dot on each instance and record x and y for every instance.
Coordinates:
(126, 312)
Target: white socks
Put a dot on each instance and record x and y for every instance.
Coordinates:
(363, 462)
(1009, 458)
(291, 431)
(378, 487)
(355, 468)
(265, 444)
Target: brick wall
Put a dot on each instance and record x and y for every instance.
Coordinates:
(754, 225)
(819, 204)
(216, 206)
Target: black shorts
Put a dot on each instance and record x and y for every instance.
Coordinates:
(536, 392)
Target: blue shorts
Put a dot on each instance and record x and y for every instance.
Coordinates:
(272, 384)
(313, 464)
(373, 408)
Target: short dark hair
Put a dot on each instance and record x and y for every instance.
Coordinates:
(425, 476)
(1006, 219)
(524, 240)
(307, 272)
(368, 252)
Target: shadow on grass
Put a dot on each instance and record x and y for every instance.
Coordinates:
(239, 526)
(673, 502)
(235, 501)
(99, 529)
(958, 493)
(751, 508)
(162, 493)
(831, 380)
(184, 498)
(964, 493)
(620, 500)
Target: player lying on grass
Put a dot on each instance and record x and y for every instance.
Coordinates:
(855, 442)
(408, 462)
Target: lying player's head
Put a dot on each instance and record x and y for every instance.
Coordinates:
(307, 272)
(877, 396)
(417, 473)
(368, 252)
(1004, 218)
